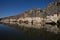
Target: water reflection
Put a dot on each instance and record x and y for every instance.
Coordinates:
(37, 31)
(23, 26)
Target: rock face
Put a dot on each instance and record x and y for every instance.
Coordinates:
(35, 14)
(51, 8)
(51, 12)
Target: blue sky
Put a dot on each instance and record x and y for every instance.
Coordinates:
(13, 7)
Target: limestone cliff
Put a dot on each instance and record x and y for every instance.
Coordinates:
(51, 9)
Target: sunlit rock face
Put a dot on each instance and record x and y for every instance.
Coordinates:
(29, 19)
(53, 11)
(51, 8)
(50, 13)
(52, 18)
(36, 12)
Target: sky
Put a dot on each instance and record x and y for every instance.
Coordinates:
(14, 7)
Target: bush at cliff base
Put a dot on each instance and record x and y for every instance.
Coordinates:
(58, 23)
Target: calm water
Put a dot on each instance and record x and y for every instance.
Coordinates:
(13, 31)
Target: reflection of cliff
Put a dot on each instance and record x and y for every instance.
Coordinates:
(25, 27)
(29, 25)
(36, 33)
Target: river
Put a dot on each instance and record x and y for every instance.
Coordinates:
(13, 31)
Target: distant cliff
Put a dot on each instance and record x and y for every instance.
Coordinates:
(36, 12)
(51, 9)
